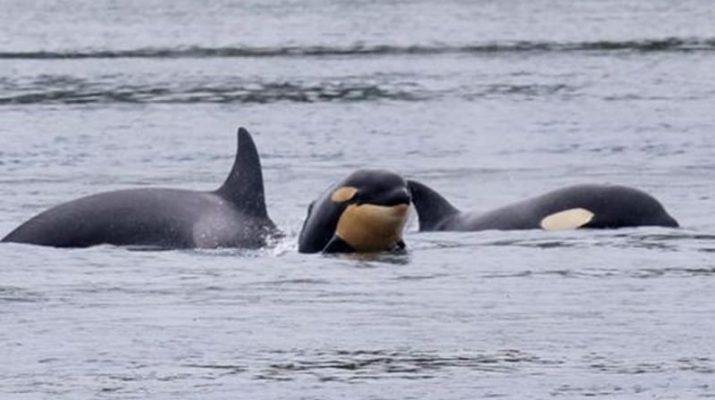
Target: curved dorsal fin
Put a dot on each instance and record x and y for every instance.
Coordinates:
(431, 207)
(244, 185)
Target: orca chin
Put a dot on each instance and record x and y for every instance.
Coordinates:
(234, 215)
(573, 207)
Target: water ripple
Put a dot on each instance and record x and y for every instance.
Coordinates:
(670, 44)
(12, 294)
(71, 90)
(633, 238)
(358, 365)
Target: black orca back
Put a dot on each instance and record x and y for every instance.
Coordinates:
(612, 206)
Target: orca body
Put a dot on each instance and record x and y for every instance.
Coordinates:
(573, 207)
(365, 212)
(234, 215)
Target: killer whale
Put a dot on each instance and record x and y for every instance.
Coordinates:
(572, 207)
(365, 212)
(234, 215)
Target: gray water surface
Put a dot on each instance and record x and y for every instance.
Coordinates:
(489, 102)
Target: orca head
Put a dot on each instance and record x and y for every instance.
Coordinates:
(365, 212)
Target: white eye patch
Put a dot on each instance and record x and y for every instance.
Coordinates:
(343, 194)
(573, 218)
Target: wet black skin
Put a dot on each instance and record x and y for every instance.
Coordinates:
(234, 215)
(377, 187)
(613, 207)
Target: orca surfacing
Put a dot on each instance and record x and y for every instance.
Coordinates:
(572, 207)
(234, 215)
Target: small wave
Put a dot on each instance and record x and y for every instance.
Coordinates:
(526, 91)
(69, 90)
(12, 294)
(623, 367)
(358, 365)
(672, 44)
(628, 369)
(652, 238)
(295, 281)
(607, 273)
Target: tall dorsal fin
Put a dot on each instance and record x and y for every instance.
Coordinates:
(431, 207)
(244, 185)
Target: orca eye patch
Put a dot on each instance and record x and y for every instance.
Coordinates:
(573, 218)
(343, 194)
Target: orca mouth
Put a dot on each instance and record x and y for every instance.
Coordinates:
(396, 197)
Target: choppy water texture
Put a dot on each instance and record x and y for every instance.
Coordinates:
(487, 101)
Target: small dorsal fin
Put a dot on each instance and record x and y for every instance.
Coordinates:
(244, 185)
(431, 207)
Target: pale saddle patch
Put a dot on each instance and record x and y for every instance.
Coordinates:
(573, 218)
